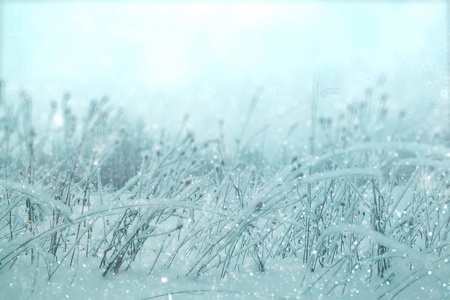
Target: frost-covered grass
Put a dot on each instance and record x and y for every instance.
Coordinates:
(94, 208)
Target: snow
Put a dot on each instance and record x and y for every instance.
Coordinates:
(101, 206)
(35, 196)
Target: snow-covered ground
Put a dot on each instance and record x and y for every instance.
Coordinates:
(94, 208)
(281, 280)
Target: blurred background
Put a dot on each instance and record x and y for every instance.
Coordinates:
(163, 61)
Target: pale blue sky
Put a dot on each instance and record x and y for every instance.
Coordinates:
(163, 61)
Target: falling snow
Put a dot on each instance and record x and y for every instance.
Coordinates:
(229, 183)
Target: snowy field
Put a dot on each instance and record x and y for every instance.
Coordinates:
(92, 207)
(243, 151)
